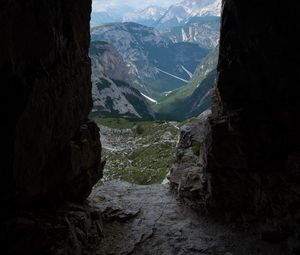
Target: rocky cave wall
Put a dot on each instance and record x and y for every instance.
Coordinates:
(249, 160)
(255, 154)
(52, 150)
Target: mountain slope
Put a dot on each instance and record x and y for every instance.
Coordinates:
(110, 94)
(178, 14)
(156, 64)
(194, 104)
(176, 104)
(204, 31)
(108, 61)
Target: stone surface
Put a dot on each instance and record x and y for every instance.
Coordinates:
(150, 220)
(253, 158)
(255, 155)
(187, 175)
(51, 149)
(70, 229)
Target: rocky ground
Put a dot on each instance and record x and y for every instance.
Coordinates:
(140, 152)
(150, 220)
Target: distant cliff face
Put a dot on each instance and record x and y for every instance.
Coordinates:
(180, 13)
(52, 149)
(112, 92)
(204, 31)
(107, 60)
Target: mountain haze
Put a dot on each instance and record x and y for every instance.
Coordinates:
(148, 16)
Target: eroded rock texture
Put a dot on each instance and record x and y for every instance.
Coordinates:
(149, 220)
(253, 163)
(52, 149)
(71, 229)
(255, 156)
(52, 152)
(188, 175)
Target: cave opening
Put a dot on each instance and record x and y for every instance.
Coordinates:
(153, 74)
(246, 178)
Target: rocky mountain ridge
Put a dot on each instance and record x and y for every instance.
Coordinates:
(155, 63)
(204, 31)
(112, 94)
(156, 16)
(180, 13)
(148, 16)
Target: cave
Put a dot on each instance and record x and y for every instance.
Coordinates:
(249, 177)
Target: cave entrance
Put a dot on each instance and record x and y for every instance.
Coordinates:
(150, 77)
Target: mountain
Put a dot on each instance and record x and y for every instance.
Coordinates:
(179, 14)
(201, 98)
(193, 98)
(202, 30)
(147, 17)
(111, 93)
(108, 61)
(108, 14)
(156, 64)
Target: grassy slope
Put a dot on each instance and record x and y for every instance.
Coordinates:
(172, 100)
(149, 159)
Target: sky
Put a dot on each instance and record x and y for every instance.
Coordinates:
(99, 5)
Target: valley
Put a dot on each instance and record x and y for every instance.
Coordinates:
(153, 71)
(155, 63)
(137, 151)
(161, 74)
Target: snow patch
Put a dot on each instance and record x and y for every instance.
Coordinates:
(187, 71)
(174, 76)
(150, 99)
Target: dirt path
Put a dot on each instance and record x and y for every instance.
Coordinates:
(149, 220)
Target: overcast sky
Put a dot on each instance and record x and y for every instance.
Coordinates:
(99, 5)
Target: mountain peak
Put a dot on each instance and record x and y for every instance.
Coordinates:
(147, 16)
(181, 12)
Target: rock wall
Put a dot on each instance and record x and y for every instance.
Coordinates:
(253, 162)
(188, 175)
(255, 156)
(51, 148)
(52, 151)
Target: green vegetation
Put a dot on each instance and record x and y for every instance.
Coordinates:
(188, 121)
(139, 130)
(143, 151)
(117, 122)
(196, 149)
(178, 97)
